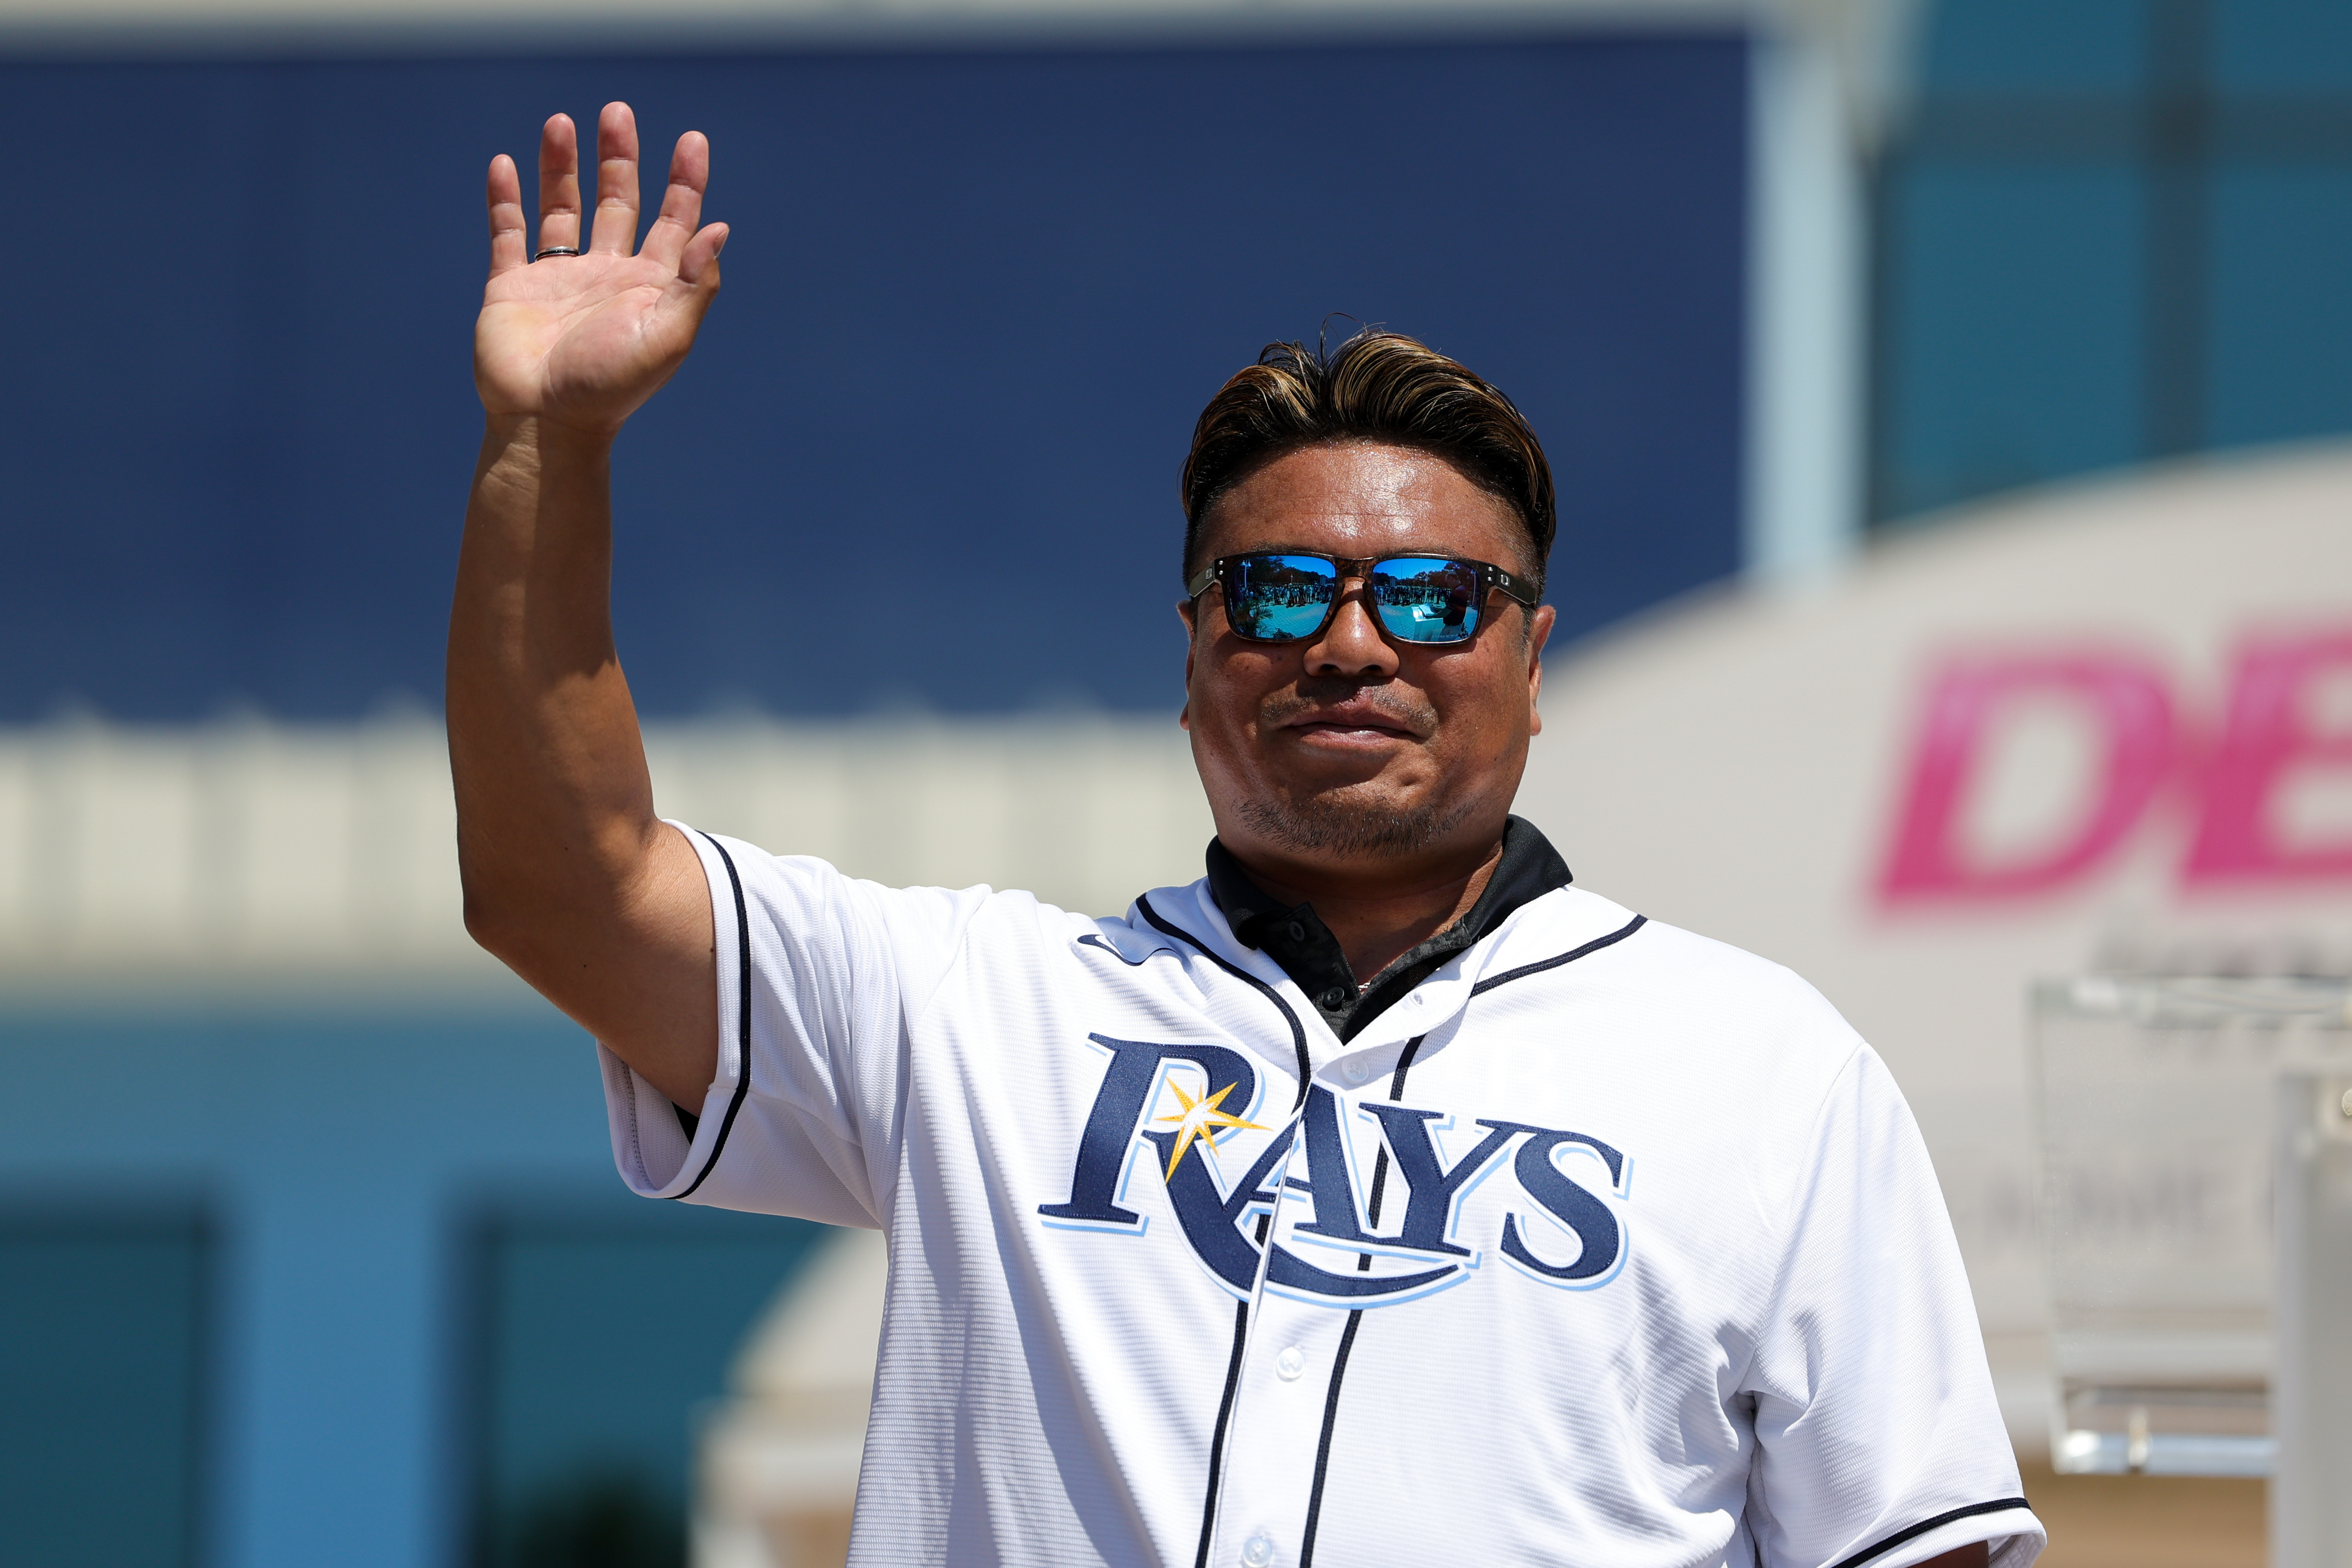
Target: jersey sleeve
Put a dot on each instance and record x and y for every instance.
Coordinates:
(1878, 1438)
(820, 978)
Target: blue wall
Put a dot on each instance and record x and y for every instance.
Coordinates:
(973, 304)
(422, 1266)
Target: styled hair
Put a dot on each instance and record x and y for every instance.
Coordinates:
(1376, 387)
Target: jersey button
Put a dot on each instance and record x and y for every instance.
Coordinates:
(1357, 1070)
(1290, 1364)
(1257, 1550)
(1333, 997)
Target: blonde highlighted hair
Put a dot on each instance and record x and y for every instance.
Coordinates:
(1376, 387)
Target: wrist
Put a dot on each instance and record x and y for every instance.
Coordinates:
(550, 440)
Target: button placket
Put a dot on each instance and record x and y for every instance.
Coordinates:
(1422, 1012)
(1278, 1421)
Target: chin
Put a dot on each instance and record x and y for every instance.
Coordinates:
(1351, 820)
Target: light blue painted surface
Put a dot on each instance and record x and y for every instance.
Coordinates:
(339, 1155)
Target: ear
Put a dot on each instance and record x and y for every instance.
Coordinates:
(1187, 610)
(1539, 622)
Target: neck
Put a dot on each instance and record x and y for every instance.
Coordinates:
(1378, 921)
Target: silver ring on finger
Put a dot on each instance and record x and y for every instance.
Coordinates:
(556, 250)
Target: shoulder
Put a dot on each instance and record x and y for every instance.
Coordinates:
(1020, 934)
(801, 896)
(1686, 994)
(1644, 952)
(798, 903)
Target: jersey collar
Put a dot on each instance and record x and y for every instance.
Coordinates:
(1183, 921)
(1298, 941)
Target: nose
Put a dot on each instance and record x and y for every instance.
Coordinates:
(1352, 645)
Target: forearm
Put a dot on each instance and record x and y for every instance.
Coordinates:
(564, 866)
(554, 805)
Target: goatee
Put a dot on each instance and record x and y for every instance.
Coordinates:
(1331, 823)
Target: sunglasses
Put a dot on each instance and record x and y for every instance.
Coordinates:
(1290, 595)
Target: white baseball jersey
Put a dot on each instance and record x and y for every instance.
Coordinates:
(1607, 1245)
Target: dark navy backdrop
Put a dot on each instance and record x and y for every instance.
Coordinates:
(973, 303)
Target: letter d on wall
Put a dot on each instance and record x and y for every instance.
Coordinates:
(2127, 700)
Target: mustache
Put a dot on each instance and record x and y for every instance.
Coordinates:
(1415, 716)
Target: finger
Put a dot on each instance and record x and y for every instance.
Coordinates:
(699, 267)
(616, 182)
(699, 271)
(681, 208)
(559, 183)
(508, 234)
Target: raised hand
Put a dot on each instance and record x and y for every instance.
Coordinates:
(583, 340)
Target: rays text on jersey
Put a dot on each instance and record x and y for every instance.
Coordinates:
(1230, 1205)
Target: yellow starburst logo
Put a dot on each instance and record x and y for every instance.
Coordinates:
(1200, 1119)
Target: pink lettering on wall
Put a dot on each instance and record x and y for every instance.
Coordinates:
(2267, 738)
(2128, 703)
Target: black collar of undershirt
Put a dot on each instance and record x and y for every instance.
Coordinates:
(1298, 939)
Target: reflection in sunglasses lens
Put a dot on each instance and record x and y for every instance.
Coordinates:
(1427, 600)
(1280, 598)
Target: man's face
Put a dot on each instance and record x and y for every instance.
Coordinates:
(1348, 755)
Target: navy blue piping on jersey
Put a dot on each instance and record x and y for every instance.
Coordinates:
(1595, 945)
(1217, 1437)
(1998, 1505)
(1396, 1092)
(1323, 1447)
(1355, 1321)
(1297, 1030)
(1241, 1318)
(742, 1019)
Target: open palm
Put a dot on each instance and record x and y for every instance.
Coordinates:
(583, 340)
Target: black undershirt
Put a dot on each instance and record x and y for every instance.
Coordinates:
(1296, 938)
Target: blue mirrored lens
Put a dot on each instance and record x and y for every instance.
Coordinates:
(1424, 599)
(1279, 599)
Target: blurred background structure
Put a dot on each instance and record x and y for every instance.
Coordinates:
(1929, 621)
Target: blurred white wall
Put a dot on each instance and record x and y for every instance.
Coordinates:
(249, 856)
(777, 1470)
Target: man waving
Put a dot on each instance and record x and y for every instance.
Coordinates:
(1380, 1197)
